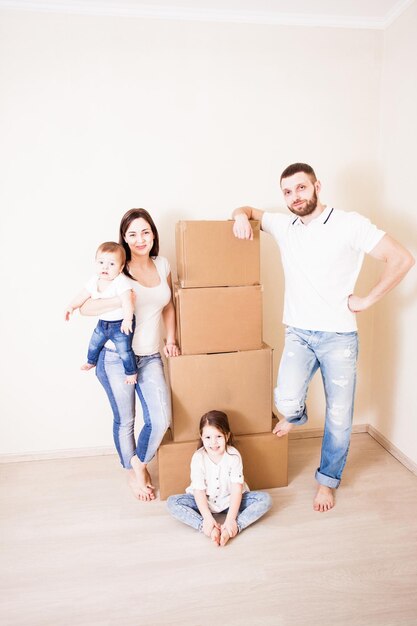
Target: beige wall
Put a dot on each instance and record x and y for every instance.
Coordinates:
(189, 120)
(395, 332)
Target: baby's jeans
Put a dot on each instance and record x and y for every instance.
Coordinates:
(112, 330)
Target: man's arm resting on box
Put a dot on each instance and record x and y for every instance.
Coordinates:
(242, 228)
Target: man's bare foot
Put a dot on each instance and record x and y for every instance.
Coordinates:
(131, 379)
(87, 366)
(215, 535)
(143, 479)
(224, 537)
(282, 428)
(324, 500)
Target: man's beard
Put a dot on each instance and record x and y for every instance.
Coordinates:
(309, 208)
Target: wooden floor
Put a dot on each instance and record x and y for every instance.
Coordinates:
(77, 549)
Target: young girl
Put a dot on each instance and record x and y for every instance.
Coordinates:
(217, 485)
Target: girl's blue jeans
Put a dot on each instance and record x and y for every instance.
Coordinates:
(254, 504)
(336, 355)
(153, 393)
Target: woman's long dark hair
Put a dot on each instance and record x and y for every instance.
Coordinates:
(219, 420)
(125, 222)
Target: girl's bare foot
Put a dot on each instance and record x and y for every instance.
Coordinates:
(215, 535)
(131, 379)
(224, 537)
(282, 428)
(143, 479)
(87, 366)
(324, 500)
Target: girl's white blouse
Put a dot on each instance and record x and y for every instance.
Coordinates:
(216, 478)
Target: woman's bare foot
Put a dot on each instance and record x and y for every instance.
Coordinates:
(215, 535)
(224, 537)
(135, 487)
(282, 428)
(131, 379)
(87, 366)
(149, 483)
(143, 480)
(324, 500)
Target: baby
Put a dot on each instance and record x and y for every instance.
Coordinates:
(117, 325)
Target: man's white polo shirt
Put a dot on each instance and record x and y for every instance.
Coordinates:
(321, 262)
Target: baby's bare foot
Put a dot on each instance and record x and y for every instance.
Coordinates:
(87, 366)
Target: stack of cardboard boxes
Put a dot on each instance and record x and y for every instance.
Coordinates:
(223, 364)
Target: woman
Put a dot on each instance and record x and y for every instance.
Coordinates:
(152, 287)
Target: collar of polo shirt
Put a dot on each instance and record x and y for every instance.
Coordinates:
(320, 219)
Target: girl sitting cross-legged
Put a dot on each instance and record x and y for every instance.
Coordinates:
(218, 486)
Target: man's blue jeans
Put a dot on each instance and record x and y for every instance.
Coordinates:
(254, 504)
(336, 355)
(112, 330)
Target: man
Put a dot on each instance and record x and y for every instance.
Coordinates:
(322, 250)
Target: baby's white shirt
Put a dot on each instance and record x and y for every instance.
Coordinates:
(116, 287)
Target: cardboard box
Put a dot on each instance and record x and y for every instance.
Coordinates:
(265, 459)
(238, 383)
(265, 462)
(218, 319)
(209, 255)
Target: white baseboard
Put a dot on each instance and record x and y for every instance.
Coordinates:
(50, 455)
(389, 447)
(306, 433)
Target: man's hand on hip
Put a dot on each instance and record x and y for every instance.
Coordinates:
(357, 304)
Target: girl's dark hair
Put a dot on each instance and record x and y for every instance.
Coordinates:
(125, 222)
(219, 420)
